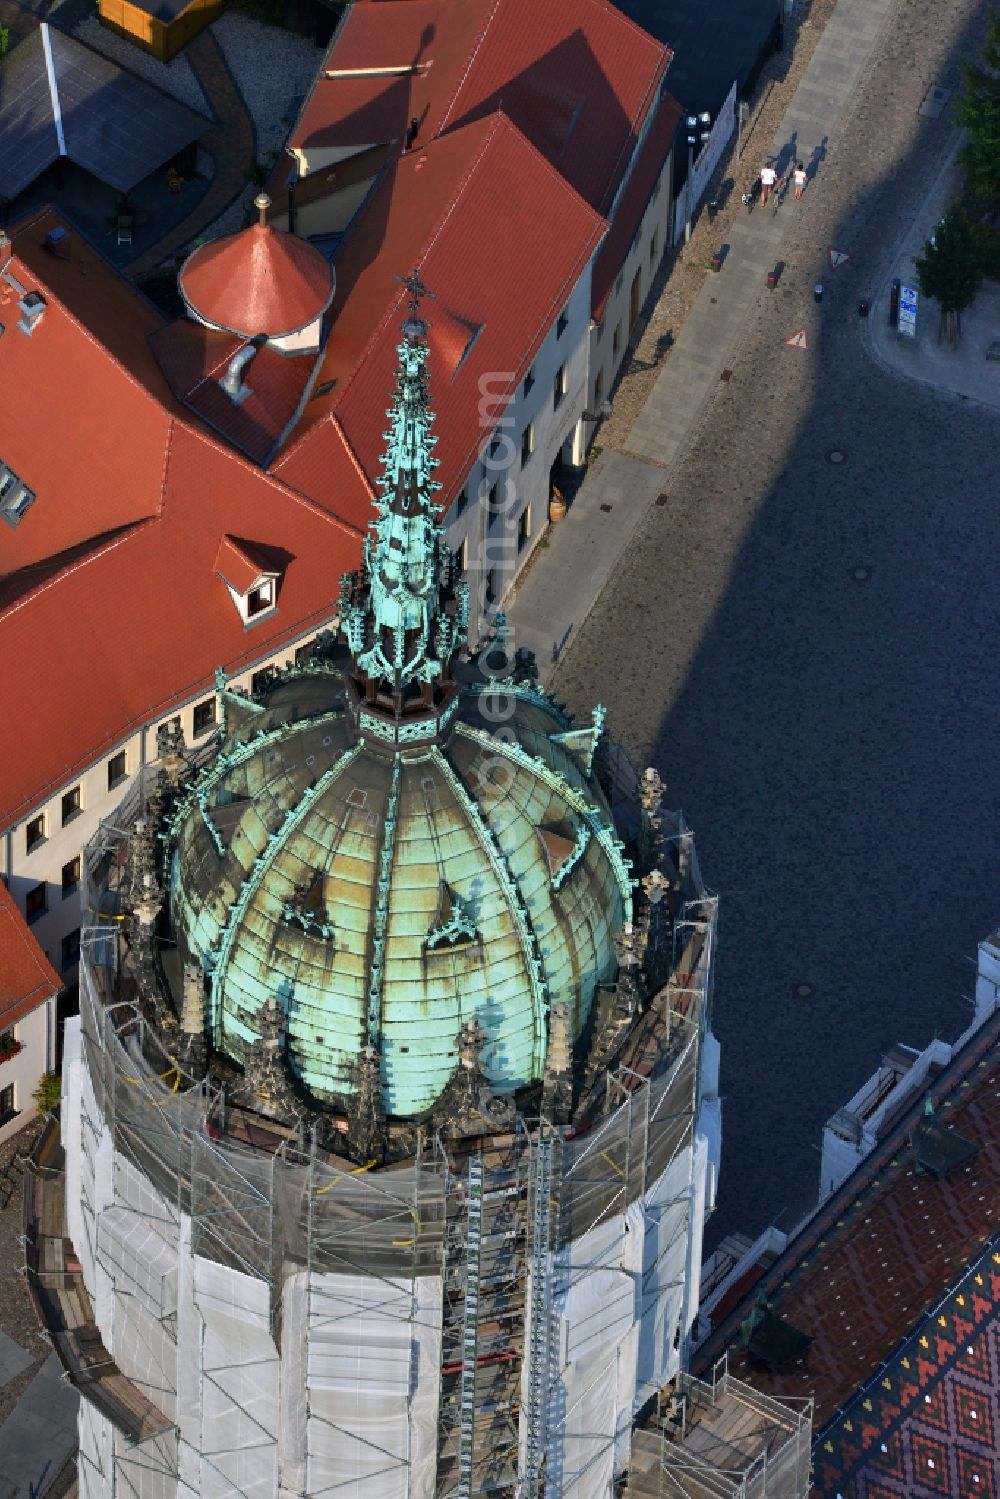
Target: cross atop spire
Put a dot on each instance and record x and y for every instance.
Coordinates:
(405, 612)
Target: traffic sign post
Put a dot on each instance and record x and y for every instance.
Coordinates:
(907, 319)
(798, 340)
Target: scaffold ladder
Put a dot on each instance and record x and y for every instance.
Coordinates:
(470, 1327)
(540, 1317)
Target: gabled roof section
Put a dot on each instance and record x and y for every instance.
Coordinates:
(576, 76)
(27, 978)
(105, 468)
(59, 97)
(161, 577)
(242, 564)
(464, 213)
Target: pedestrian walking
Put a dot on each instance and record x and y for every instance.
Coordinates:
(767, 179)
(800, 179)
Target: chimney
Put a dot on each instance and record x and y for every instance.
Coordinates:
(57, 242)
(31, 308)
(232, 380)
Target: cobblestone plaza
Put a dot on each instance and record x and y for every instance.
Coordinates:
(802, 639)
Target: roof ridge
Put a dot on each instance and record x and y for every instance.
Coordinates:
(122, 67)
(270, 478)
(491, 125)
(328, 418)
(125, 534)
(480, 40)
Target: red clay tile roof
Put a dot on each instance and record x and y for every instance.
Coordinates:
(161, 578)
(447, 211)
(644, 175)
(885, 1247)
(194, 359)
(260, 280)
(105, 470)
(129, 531)
(576, 76)
(433, 38)
(27, 978)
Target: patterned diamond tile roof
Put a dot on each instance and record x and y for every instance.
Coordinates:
(885, 1248)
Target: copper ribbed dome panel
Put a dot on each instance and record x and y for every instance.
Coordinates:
(260, 280)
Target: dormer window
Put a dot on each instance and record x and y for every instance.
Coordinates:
(261, 598)
(15, 496)
(251, 574)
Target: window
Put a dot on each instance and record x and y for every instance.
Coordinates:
(616, 342)
(70, 877)
(656, 191)
(71, 949)
(463, 556)
(559, 385)
(463, 500)
(117, 769)
(523, 527)
(618, 283)
(599, 389)
(527, 443)
(36, 903)
(72, 805)
(529, 381)
(493, 500)
(600, 331)
(8, 1044)
(259, 681)
(260, 599)
(562, 322)
(15, 497)
(303, 653)
(204, 717)
(654, 246)
(34, 833)
(491, 586)
(7, 1108)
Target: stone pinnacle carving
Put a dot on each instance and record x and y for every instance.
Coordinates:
(366, 1137)
(468, 1105)
(557, 1089)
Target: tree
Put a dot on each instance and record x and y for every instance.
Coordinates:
(978, 109)
(949, 270)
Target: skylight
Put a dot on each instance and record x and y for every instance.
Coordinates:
(15, 496)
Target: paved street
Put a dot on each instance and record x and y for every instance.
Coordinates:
(805, 648)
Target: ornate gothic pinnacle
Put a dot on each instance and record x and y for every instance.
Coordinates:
(404, 615)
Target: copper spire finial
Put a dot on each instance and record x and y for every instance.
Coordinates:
(262, 203)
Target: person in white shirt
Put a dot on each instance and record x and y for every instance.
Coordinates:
(800, 179)
(767, 177)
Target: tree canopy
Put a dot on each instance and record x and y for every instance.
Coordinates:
(949, 269)
(978, 109)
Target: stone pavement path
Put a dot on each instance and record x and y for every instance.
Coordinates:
(232, 142)
(553, 596)
(39, 1435)
(13, 1359)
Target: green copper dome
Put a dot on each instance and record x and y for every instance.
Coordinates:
(390, 852)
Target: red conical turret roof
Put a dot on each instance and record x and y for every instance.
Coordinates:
(260, 280)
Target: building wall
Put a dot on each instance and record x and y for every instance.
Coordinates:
(488, 542)
(35, 1034)
(643, 259)
(56, 929)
